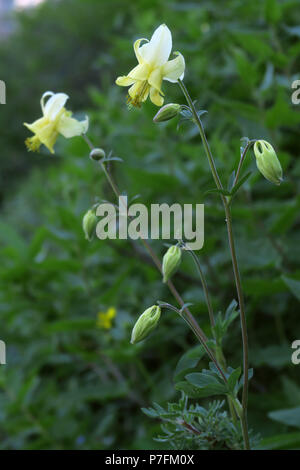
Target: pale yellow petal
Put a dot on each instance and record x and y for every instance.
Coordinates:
(124, 81)
(174, 69)
(140, 72)
(136, 48)
(138, 92)
(155, 97)
(36, 125)
(134, 89)
(48, 136)
(158, 50)
(44, 131)
(70, 127)
(54, 105)
(155, 79)
(45, 95)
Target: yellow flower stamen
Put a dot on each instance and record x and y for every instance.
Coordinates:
(139, 96)
(33, 143)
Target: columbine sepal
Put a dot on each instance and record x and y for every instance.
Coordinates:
(145, 324)
(171, 262)
(89, 223)
(267, 161)
(167, 112)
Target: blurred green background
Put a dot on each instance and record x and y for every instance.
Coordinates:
(68, 383)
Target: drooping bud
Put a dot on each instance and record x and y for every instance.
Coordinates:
(89, 223)
(167, 112)
(267, 161)
(171, 262)
(97, 154)
(145, 324)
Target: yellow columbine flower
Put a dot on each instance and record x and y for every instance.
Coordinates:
(56, 120)
(104, 319)
(153, 68)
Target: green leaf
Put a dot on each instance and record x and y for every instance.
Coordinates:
(276, 356)
(191, 390)
(232, 381)
(224, 192)
(223, 322)
(207, 382)
(188, 361)
(231, 311)
(281, 442)
(293, 285)
(290, 417)
(240, 183)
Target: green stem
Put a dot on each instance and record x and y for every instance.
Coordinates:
(236, 272)
(204, 286)
(243, 156)
(218, 351)
(189, 316)
(202, 134)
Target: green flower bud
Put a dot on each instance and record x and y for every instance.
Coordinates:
(267, 161)
(167, 112)
(171, 262)
(89, 223)
(145, 324)
(97, 154)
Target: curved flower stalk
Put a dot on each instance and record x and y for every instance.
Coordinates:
(55, 120)
(153, 67)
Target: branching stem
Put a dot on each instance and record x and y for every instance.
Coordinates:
(236, 272)
(186, 314)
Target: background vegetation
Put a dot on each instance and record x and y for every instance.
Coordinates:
(68, 383)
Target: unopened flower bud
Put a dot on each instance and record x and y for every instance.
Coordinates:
(171, 262)
(145, 324)
(267, 161)
(97, 154)
(89, 222)
(167, 112)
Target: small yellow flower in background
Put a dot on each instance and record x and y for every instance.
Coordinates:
(56, 120)
(104, 319)
(154, 67)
